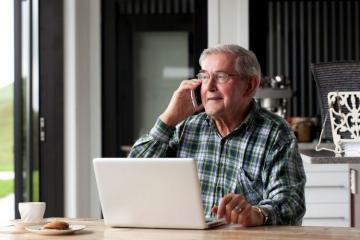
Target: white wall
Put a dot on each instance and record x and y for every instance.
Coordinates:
(82, 105)
(228, 22)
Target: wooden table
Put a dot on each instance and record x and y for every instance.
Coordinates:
(97, 230)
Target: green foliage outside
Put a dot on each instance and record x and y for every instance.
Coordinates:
(6, 138)
(6, 129)
(35, 196)
(6, 187)
(6, 144)
(6, 94)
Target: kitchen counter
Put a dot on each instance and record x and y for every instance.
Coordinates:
(325, 157)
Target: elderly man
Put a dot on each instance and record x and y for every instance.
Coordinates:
(248, 163)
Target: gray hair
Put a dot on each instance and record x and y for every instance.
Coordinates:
(246, 63)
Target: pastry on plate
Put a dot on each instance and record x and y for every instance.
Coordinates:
(59, 225)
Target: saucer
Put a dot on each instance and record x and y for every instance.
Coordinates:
(39, 229)
(18, 223)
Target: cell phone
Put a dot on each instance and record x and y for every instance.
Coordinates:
(196, 96)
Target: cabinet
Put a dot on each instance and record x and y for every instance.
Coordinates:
(331, 191)
(327, 195)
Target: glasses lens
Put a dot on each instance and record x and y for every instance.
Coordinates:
(202, 76)
(221, 77)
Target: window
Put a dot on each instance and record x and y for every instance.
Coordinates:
(6, 110)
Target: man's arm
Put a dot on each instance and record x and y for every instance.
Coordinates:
(154, 144)
(284, 181)
(158, 142)
(283, 195)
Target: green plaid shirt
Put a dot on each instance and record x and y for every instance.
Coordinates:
(258, 160)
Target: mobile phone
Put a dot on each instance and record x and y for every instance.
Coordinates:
(196, 96)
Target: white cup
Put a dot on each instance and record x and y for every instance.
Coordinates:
(32, 211)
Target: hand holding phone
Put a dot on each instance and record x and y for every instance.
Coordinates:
(196, 97)
(179, 107)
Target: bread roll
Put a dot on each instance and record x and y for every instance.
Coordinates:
(59, 225)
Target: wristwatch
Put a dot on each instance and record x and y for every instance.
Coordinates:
(264, 213)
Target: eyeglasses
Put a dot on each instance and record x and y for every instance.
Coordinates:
(219, 77)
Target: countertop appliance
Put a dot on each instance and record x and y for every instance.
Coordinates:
(274, 94)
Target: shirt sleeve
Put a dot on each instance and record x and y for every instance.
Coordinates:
(156, 143)
(284, 181)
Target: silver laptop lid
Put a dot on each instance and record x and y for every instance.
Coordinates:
(150, 192)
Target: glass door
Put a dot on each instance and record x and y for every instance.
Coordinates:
(26, 102)
(148, 49)
(161, 61)
(7, 197)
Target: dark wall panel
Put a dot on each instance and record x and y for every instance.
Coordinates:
(299, 33)
(51, 105)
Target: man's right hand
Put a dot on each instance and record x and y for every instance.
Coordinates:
(180, 106)
(235, 209)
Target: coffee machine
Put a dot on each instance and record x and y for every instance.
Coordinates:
(274, 94)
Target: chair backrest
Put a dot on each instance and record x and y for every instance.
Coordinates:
(331, 77)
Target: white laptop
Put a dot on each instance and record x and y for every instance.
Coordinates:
(151, 193)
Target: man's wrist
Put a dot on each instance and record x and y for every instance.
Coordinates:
(263, 215)
(167, 120)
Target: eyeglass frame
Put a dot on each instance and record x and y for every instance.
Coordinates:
(215, 76)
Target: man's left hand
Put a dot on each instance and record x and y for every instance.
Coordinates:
(235, 209)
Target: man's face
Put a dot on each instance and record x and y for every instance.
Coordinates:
(223, 100)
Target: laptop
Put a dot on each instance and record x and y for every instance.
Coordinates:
(151, 193)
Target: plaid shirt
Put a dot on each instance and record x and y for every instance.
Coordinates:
(258, 160)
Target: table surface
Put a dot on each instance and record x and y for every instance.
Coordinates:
(95, 229)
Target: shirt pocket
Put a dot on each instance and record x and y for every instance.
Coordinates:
(250, 186)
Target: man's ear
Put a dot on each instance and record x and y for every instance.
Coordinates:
(252, 86)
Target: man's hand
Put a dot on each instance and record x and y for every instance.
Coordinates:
(235, 209)
(180, 106)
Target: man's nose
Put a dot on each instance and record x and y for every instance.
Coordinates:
(211, 84)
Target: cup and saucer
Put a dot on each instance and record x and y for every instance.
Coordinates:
(31, 213)
(32, 220)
